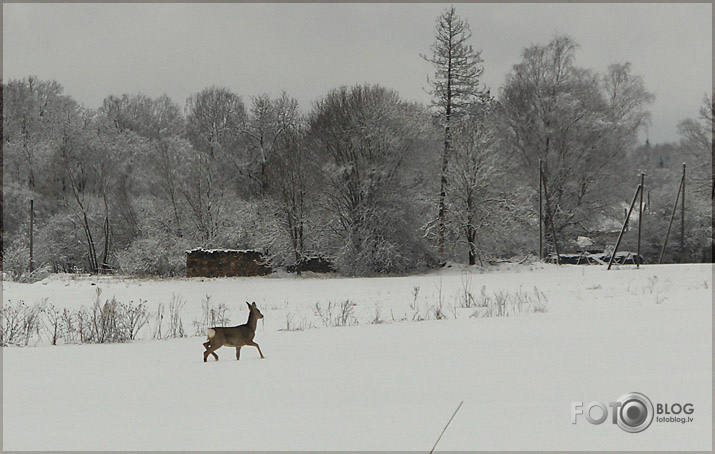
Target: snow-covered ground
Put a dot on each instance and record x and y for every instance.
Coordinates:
(376, 386)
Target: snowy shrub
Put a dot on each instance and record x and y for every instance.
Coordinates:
(414, 306)
(372, 256)
(105, 321)
(292, 324)
(58, 244)
(159, 317)
(153, 257)
(377, 319)
(83, 326)
(69, 326)
(16, 261)
(500, 300)
(52, 322)
(31, 323)
(336, 314)
(16, 265)
(538, 302)
(20, 322)
(505, 303)
(389, 249)
(484, 300)
(438, 308)
(438, 311)
(211, 315)
(133, 318)
(176, 324)
(466, 298)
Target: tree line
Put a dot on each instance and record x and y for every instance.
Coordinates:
(370, 181)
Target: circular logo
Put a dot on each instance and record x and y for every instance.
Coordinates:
(636, 412)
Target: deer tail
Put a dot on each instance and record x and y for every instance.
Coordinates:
(210, 333)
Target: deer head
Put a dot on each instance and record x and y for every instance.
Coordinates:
(254, 310)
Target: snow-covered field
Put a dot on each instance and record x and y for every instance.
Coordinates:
(376, 386)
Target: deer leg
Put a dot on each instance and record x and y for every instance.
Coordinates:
(207, 346)
(259, 349)
(238, 353)
(210, 351)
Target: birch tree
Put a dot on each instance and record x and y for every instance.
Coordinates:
(579, 123)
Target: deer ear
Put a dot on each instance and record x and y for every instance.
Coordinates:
(249, 306)
(254, 304)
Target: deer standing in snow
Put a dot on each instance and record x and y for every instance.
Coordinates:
(234, 336)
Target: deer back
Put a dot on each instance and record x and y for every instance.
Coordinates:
(234, 336)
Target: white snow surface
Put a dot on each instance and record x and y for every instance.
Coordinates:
(386, 386)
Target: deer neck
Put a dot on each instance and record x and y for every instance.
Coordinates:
(252, 321)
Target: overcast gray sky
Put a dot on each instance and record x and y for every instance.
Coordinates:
(95, 50)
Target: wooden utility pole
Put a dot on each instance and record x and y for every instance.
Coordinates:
(640, 222)
(682, 222)
(623, 229)
(32, 221)
(541, 218)
(672, 217)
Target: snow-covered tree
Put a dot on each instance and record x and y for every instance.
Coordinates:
(363, 136)
(269, 120)
(579, 123)
(291, 175)
(471, 177)
(697, 139)
(455, 87)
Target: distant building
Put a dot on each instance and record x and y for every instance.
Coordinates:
(315, 264)
(225, 262)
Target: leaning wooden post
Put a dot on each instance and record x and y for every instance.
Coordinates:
(672, 217)
(682, 221)
(620, 236)
(541, 218)
(551, 218)
(640, 223)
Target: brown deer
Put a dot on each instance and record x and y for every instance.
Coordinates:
(234, 336)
